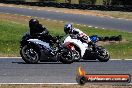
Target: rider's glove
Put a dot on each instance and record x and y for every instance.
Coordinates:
(84, 38)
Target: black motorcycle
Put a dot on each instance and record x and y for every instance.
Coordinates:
(34, 50)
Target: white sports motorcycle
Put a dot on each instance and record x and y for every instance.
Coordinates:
(84, 51)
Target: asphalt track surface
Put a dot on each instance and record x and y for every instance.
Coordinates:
(101, 22)
(14, 70)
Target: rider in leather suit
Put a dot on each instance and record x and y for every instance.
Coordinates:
(68, 29)
(40, 32)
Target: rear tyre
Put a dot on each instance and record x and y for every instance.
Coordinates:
(29, 54)
(103, 55)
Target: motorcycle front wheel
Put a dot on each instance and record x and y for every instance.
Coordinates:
(66, 56)
(103, 54)
(29, 54)
(77, 55)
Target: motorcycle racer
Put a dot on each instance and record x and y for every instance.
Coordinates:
(37, 30)
(84, 46)
(68, 29)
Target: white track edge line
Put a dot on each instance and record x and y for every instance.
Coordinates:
(41, 83)
(10, 57)
(129, 84)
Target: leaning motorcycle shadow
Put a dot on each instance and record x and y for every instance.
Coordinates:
(87, 61)
(83, 61)
(38, 63)
(54, 62)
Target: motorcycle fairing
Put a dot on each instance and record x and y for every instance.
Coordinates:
(78, 43)
(40, 43)
(45, 52)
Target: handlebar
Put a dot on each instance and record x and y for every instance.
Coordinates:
(59, 37)
(58, 41)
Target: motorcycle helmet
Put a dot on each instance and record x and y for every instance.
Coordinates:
(33, 22)
(68, 28)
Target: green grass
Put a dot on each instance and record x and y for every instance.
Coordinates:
(11, 32)
(120, 50)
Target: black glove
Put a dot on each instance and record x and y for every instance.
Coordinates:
(75, 32)
(54, 40)
(91, 43)
(84, 38)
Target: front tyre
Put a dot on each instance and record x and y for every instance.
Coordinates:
(76, 55)
(66, 56)
(103, 54)
(29, 54)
